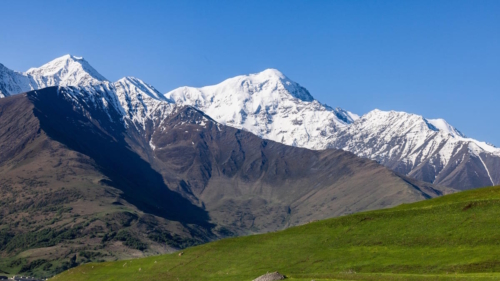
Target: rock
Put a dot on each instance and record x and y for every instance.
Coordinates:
(270, 277)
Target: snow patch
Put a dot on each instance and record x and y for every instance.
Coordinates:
(151, 144)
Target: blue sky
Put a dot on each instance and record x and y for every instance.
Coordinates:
(434, 58)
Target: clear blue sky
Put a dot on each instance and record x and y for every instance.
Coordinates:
(434, 58)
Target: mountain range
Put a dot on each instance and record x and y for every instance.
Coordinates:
(98, 170)
(273, 107)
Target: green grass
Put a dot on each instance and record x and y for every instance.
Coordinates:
(455, 237)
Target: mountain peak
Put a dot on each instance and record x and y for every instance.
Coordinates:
(133, 85)
(68, 57)
(277, 80)
(271, 73)
(444, 126)
(55, 63)
(66, 70)
(268, 86)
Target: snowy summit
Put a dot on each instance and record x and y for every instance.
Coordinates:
(269, 105)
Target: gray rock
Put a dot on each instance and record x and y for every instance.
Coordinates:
(270, 277)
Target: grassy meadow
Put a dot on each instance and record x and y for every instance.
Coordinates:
(454, 237)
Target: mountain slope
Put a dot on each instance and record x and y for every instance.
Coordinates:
(82, 181)
(72, 192)
(253, 185)
(453, 237)
(12, 82)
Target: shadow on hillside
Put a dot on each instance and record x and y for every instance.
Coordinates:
(103, 140)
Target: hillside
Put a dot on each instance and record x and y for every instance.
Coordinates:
(79, 183)
(66, 197)
(454, 237)
(251, 185)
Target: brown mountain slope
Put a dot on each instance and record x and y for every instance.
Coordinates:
(254, 185)
(60, 207)
(78, 184)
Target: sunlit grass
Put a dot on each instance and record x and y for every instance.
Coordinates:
(455, 237)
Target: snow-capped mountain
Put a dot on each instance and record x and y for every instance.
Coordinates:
(64, 71)
(135, 99)
(141, 102)
(269, 105)
(273, 107)
(429, 150)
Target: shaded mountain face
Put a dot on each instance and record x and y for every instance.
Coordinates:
(72, 191)
(82, 181)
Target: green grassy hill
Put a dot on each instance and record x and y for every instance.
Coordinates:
(455, 237)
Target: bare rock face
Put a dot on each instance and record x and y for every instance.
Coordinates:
(270, 277)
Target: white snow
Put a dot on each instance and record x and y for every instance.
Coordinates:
(141, 101)
(64, 71)
(151, 144)
(388, 136)
(487, 171)
(269, 105)
(442, 125)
